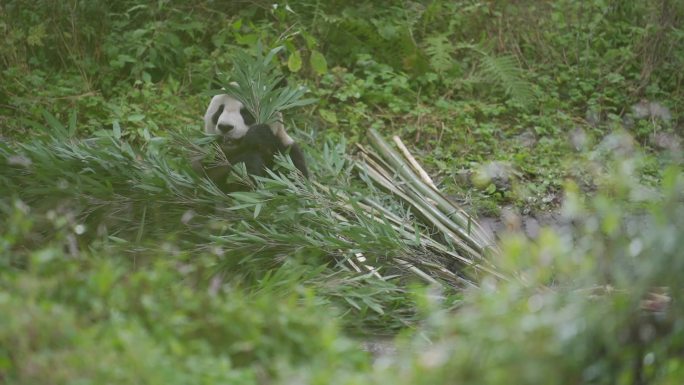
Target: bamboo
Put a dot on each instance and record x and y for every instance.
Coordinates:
(481, 234)
(392, 157)
(414, 163)
(428, 202)
(442, 204)
(455, 232)
(398, 226)
(425, 212)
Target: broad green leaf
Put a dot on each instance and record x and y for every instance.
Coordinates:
(328, 116)
(294, 63)
(318, 62)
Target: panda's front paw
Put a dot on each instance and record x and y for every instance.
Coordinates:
(230, 144)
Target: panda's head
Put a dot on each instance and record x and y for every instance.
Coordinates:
(227, 117)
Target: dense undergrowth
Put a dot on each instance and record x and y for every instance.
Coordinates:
(120, 264)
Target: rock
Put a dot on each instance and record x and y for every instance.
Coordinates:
(380, 349)
(593, 117)
(666, 141)
(530, 225)
(578, 138)
(498, 173)
(527, 139)
(511, 219)
(651, 110)
(620, 143)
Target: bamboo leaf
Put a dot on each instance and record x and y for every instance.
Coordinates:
(73, 116)
(116, 129)
(255, 80)
(54, 124)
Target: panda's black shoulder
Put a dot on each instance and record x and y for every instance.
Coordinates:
(261, 138)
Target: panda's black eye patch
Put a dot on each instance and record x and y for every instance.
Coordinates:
(247, 116)
(215, 116)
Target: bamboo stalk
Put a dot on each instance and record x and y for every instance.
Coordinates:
(481, 234)
(380, 173)
(386, 166)
(398, 226)
(416, 271)
(445, 206)
(425, 240)
(414, 163)
(426, 212)
(393, 158)
(455, 232)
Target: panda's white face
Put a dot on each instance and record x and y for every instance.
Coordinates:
(226, 116)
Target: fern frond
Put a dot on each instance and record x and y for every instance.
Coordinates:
(504, 70)
(439, 49)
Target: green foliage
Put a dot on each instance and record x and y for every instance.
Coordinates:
(439, 50)
(507, 74)
(44, 340)
(318, 63)
(95, 319)
(119, 264)
(256, 86)
(126, 254)
(116, 194)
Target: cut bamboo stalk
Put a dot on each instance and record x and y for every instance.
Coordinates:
(414, 163)
(361, 258)
(416, 271)
(381, 173)
(456, 231)
(427, 212)
(388, 166)
(393, 158)
(481, 234)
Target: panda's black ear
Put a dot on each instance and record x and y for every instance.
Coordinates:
(215, 116)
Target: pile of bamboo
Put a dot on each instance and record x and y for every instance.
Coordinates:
(464, 246)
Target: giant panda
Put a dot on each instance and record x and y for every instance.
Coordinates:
(242, 141)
